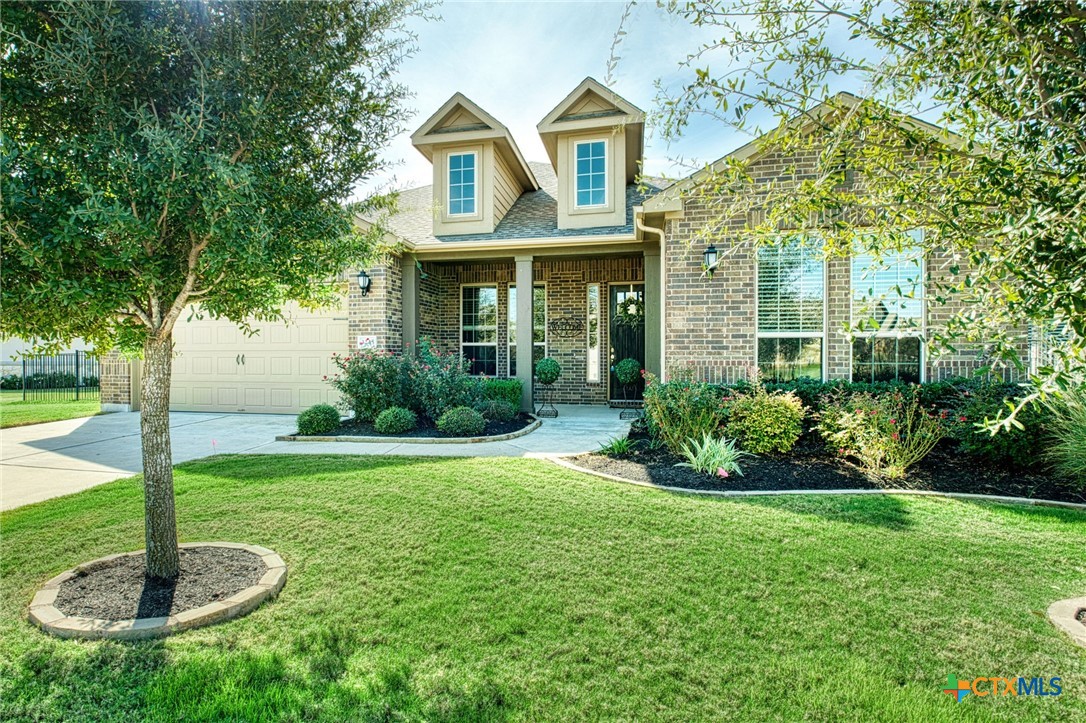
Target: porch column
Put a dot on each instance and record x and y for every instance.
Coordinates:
(654, 309)
(410, 302)
(525, 372)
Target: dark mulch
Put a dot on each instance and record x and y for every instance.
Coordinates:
(119, 590)
(350, 428)
(808, 467)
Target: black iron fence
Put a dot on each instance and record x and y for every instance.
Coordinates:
(60, 377)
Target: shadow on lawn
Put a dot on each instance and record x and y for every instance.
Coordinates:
(223, 681)
(883, 511)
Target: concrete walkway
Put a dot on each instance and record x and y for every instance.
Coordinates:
(42, 461)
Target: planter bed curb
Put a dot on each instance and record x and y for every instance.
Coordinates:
(1062, 614)
(51, 620)
(773, 493)
(534, 425)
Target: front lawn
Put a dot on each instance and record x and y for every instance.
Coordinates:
(14, 412)
(476, 589)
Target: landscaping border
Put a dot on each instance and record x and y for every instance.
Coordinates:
(562, 462)
(1062, 614)
(51, 620)
(415, 440)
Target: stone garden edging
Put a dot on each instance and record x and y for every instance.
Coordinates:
(776, 493)
(415, 440)
(1062, 614)
(51, 620)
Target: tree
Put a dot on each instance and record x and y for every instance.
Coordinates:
(1004, 189)
(159, 156)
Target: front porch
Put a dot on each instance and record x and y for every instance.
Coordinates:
(474, 307)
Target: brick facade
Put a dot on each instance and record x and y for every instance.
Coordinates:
(380, 312)
(116, 380)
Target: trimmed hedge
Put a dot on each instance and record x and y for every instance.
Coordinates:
(508, 390)
(462, 422)
(497, 410)
(395, 420)
(318, 419)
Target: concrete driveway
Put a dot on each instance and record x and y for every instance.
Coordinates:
(42, 461)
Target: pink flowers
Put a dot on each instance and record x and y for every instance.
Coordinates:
(893, 421)
(895, 436)
(721, 472)
(961, 418)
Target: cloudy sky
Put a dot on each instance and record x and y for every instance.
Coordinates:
(517, 60)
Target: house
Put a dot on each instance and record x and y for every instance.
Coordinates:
(575, 258)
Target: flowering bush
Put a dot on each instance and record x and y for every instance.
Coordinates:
(682, 409)
(764, 422)
(887, 434)
(435, 382)
(370, 382)
(1017, 447)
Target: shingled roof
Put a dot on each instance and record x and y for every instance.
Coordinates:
(533, 215)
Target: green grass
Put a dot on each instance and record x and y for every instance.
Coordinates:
(14, 412)
(460, 589)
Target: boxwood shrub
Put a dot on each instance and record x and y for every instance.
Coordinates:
(395, 420)
(508, 390)
(763, 422)
(497, 410)
(462, 422)
(318, 419)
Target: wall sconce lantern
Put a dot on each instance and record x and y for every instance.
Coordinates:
(363, 282)
(710, 261)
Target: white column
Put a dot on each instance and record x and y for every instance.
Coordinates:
(525, 281)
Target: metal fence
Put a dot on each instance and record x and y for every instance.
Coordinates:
(61, 377)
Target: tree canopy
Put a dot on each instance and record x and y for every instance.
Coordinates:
(997, 178)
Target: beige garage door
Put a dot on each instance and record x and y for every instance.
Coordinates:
(280, 370)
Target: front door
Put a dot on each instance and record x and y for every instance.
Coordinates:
(627, 336)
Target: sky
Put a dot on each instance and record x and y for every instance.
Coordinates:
(517, 60)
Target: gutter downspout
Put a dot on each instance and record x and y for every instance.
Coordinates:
(659, 233)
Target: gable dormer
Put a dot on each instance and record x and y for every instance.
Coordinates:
(594, 140)
(478, 169)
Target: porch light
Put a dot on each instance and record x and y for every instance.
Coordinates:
(710, 260)
(363, 282)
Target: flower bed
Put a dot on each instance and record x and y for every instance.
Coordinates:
(425, 430)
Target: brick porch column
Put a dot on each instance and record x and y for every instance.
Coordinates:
(525, 371)
(654, 309)
(410, 273)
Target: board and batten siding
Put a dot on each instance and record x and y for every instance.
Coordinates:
(505, 188)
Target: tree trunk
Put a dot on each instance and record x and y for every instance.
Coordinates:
(158, 502)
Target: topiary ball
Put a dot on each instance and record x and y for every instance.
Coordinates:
(628, 371)
(318, 419)
(461, 422)
(395, 420)
(547, 370)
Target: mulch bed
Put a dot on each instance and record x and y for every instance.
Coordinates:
(119, 590)
(810, 468)
(425, 429)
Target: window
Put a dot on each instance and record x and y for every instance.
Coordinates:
(593, 333)
(591, 180)
(539, 326)
(888, 314)
(461, 184)
(791, 310)
(479, 328)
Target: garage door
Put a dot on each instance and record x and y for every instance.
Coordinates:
(280, 370)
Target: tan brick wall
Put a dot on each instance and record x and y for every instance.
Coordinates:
(711, 324)
(380, 312)
(116, 380)
(566, 282)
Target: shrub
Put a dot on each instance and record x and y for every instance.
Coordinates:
(436, 382)
(547, 370)
(370, 382)
(682, 409)
(496, 410)
(887, 433)
(763, 422)
(1017, 447)
(11, 381)
(713, 456)
(395, 420)
(508, 390)
(461, 422)
(318, 419)
(628, 371)
(1067, 435)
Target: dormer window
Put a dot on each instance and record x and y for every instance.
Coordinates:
(591, 173)
(462, 185)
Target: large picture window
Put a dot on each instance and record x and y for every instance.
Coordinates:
(462, 184)
(591, 173)
(791, 310)
(539, 326)
(888, 314)
(479, 328)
